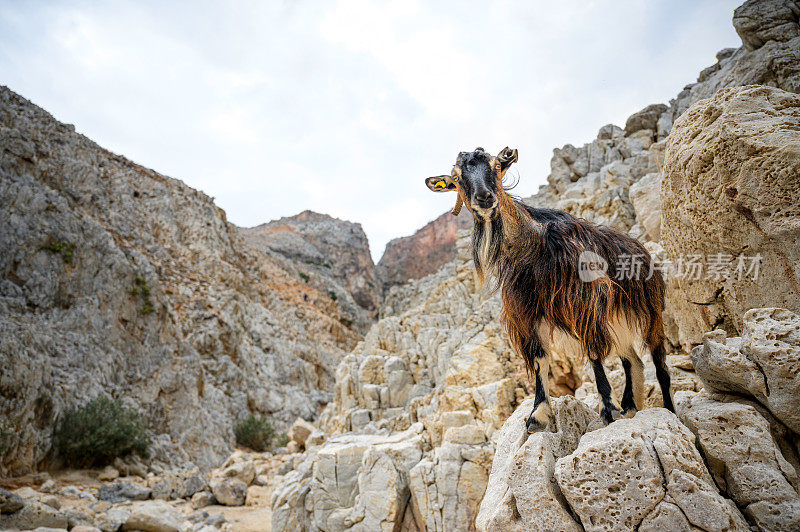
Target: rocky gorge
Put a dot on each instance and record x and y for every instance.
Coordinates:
(414, 421)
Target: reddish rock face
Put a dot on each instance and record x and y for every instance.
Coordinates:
(424, 252)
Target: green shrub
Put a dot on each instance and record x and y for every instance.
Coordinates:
(304, 276)
(66, 249)
(140, 288)
(257, 433)
(99, 431)
(332, 295)
(281, 440)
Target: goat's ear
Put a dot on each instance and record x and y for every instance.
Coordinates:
(440, 183)
(506, 157)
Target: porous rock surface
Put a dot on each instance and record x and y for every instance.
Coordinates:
(731, 185)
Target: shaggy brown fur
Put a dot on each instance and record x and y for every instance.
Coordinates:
(533, 256)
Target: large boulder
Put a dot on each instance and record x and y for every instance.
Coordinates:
(763, 363)
(760, 21)
(745, 460)
(634, 472)
(522, 493)
(730, 196)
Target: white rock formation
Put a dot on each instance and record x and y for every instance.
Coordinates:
(745, 200)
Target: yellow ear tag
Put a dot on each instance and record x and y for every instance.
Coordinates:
(441, 184)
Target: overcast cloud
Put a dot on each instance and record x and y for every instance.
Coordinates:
(344, 107)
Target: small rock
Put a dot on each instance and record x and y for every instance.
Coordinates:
(201, 499)
(293, 447)
(191, 486)
(27, 493)
(85, 528)
(132, 465)
(41, 477)
(52, 501)
(466, 434)
(261, 480)
(10, 502)
(315, 438)
(49, 486)
(33, 515)
(123, 491)
(75, 493)
(244, 471)
(216, 520)
(108, 474)
(113, 518)
(154, 516)
(300, 431)
(197, 517)
(49, 529)
(229, 491)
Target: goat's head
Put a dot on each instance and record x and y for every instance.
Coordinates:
(477, 177)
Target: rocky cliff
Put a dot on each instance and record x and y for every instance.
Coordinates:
(617, 179)
(116, 280)
(335, 256)
(424, 252)
(419, 435)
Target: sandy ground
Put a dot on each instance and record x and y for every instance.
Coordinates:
(241, 518)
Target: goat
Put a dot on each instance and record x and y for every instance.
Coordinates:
(550, 301)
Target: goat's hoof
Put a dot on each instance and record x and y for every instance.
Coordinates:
(610, 415)
(532, 426)
(629, 413)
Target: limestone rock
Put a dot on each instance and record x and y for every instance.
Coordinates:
(758, 22)
(522, 493)
(333, 253)
(746, 198)
(447, 487)
(764, 363)
(645, 196)
(120, 281)
(619, 474)
(33, 515)
(123, 491)
(745, 460)
(201, 499)
(300, 431)
(229, 491)
(108, 473)
(10, 502)
(154, 516)
(423, 253)
(647, 118)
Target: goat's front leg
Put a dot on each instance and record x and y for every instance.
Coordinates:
(542, 414)
(609, 412)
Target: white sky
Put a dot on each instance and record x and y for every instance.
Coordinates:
(344, 107)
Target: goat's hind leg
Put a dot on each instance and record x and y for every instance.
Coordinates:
(662, 374)
(633, 396)
(609, 412)
(542, 414)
